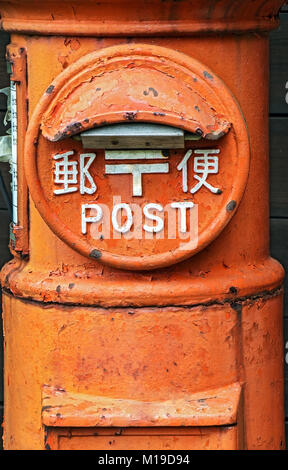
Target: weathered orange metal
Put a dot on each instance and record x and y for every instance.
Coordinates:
(120, 75)
(148, 342)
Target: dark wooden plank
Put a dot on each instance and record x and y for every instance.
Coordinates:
(286, 364)
(6, 175)
(5, 255)
(4, 77)
(279, 166)
(4, 237)
(279, 240)
(1, 429)
(1, 359)
(279, 249)
(279, 67)
(3, 128)
(4, 167)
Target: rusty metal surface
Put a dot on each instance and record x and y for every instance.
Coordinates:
(183, 88)
(133, 83)
(210, 408)
(89, 286)
(86, 329)
(217, 261)
(195, 438)
(143, 355)
(16, 56)
(141, 18)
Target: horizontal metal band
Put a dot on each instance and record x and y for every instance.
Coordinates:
(112, 29)
(216, 407)
(238, 284)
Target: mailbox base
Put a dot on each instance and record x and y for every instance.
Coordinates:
(120, 355)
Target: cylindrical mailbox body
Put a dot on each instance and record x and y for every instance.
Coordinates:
(142, 345)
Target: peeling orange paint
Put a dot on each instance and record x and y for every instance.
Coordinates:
(143, 347)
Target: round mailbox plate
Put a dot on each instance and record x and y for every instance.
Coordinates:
(137, 209)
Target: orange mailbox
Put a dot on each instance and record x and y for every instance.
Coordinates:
(142, 309)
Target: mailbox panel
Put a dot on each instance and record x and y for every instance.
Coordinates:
(137, 209)
(205, 438)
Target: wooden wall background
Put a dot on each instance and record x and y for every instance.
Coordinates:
(278, 178)
(279, 165)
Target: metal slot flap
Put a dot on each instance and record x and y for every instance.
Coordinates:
(133, 136)
(216, 407)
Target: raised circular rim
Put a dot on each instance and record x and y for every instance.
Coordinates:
(138, 262)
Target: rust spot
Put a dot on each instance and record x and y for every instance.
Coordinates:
(71, 285)
(231, 206)
(46, 408)
(159, 114)
(62, 328)
(130, 116)
(233, 290)
(58, 289)
(71, 129)
(50, 89)
(237, 306)
(96, 254)
(208, 75)
(199, 131)
(63, 61)
(150, 90)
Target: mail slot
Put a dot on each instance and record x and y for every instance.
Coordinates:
(142, 309)
(134, 136)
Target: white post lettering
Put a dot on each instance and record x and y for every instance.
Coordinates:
(128, 224)
(160, 223)
(183, 166)
(182, 206)
(84, 173)
(137, 170)
(205, 165)
(65, 173)
(90, 219)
